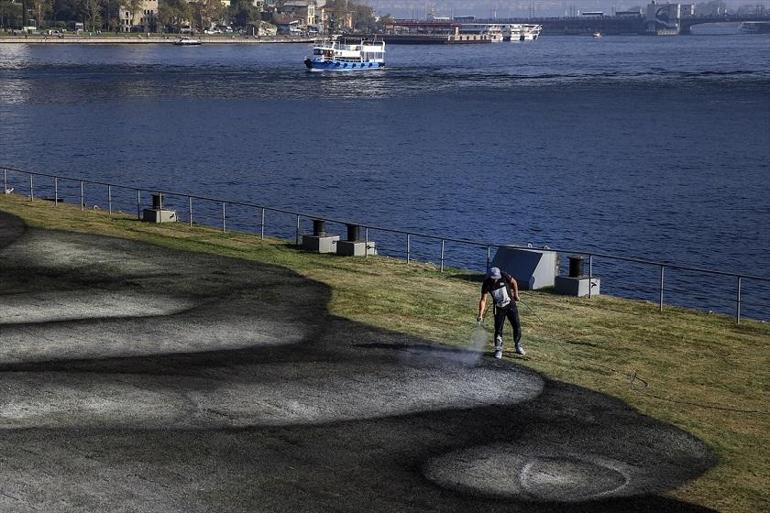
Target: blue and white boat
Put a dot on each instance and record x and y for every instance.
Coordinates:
(346, 55)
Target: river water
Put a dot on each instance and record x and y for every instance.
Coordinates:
(648, 147)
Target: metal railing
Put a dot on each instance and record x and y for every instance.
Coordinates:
(206, 216)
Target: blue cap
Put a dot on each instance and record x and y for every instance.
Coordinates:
(494, 273)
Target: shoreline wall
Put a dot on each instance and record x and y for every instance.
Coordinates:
(140, 39)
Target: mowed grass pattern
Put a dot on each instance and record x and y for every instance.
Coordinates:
(698, 371)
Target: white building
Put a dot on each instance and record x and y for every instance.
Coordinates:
(144, 19)
(312, 13)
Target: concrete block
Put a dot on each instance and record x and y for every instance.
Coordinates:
(318, 244)
(532, 268)
(355, 248)
(578, 286)
(150, 215)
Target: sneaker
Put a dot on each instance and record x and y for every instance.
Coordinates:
(499, 353)
(520, 350)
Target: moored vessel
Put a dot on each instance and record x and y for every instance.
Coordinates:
(337, 54)
(187, 41)
(519, 32)
(478, 32)
(755, 27)
(495, 34)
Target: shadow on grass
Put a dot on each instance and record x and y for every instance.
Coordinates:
(346, 416)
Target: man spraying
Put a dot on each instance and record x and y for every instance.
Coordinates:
(505, 292)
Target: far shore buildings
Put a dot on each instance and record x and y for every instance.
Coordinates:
(302, 15)
(311, 15)
(303, 11)
(291, 16)
(143, 19)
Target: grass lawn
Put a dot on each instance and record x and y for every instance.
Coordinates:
(698, 371)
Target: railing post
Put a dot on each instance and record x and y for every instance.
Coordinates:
(408, 248)
(366, 242)
(590, 274)
(442, 255)
(109, 199)
(5, 180)
(55, 190)
(662, 274)
(296, 235)
(138, 204)
(190, 210)
(262, 225)
(489, 257)
(31, 189)
(224, 217)
(82, 196)
(738, 302)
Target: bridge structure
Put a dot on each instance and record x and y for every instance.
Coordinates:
(686, 24)
(588, 25)
(660, 24)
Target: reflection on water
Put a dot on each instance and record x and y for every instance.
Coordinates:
(15, 56)
(276, 71)
(649, 147)
(16, 91)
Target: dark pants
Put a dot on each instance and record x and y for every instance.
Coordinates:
(512, 313)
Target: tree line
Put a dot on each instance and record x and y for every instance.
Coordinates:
(104, 15)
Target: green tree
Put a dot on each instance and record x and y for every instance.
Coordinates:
(134, 6)
(40, 11)
(243, 13)
(382, 21)
(65, 11)
(363, 18)
(92, 19)
(172, 13)
(10, 14)
(111, 15)
(207, 12)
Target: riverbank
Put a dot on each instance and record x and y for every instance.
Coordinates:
(697, 371)
(140, 39)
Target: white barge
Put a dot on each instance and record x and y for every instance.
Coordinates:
(519, 32)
